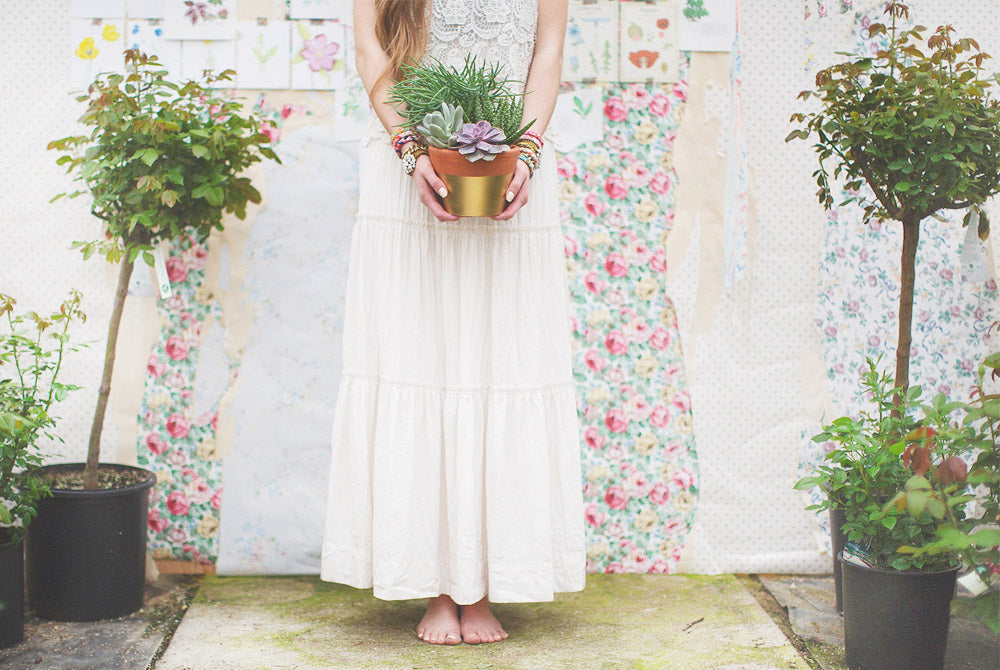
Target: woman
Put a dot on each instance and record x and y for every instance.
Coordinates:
(456, 471)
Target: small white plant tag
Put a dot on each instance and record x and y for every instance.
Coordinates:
(162, 278)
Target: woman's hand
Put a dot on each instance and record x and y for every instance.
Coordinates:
(517, 192)
(429, 186)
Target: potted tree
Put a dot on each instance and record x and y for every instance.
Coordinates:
(162, 158)
(913, 130)
(470, 121)
(31, 355)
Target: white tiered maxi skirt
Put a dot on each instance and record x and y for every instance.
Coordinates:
(456, 464)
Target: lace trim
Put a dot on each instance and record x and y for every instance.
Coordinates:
(468, 390)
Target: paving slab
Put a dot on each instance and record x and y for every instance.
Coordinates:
(810, 603)
(641, 622)
(127, 643)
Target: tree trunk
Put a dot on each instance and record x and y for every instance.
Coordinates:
(907, 277)
(94, 450)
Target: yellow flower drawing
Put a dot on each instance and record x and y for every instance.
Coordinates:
(87, 50)
(110, 32)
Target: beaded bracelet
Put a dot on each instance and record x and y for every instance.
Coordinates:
(530, 159)
(537, 137)
(402, 138)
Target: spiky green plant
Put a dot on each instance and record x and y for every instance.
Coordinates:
(481, 91)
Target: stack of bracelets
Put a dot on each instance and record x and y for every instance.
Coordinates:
(530, 145)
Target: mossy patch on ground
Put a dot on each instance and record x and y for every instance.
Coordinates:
(619, 622)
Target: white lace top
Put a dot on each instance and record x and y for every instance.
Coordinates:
(496, 31)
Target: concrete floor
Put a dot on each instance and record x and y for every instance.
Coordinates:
(618, 622)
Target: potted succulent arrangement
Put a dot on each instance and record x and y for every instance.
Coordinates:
(162, 158)
(31, 355)
(470, 121)
(912, 130)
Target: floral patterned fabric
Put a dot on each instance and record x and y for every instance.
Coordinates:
(177, 445)
(641, 476)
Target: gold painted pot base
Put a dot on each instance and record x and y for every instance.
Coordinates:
(476, 196)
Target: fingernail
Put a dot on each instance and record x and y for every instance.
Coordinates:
(510, 196)
(442, 191)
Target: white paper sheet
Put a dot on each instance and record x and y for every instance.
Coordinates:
(320, 9)
(214, 55)
(97, 46)
(318, 55)
(708, 25)
(262, 55)
(96, 9)
(578, 118)
(148, 37)
(649, 48)
(200, 20)
(591, 46)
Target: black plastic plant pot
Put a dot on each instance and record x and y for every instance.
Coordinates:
(85, 552)
(11, 590)
(896, 620)
(838, 540)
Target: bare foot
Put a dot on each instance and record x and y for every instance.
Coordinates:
(479, 624)
(440, 624)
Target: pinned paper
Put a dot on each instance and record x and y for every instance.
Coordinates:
(205, 20)
(591, 47)
(147, 37)
(318, 55)
(262, 55)
(707, 25)
(98, 46)
(96, 9)
(578, 118)
(973, 258)
(649, 46)
(214, 55)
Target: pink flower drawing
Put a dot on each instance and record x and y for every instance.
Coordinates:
(319, 53)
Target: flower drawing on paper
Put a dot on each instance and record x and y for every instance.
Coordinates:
(260, 50)
(87, 50)
(204, 11)
(319, 53)
(110, 33)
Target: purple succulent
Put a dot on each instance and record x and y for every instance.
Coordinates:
(480, 140)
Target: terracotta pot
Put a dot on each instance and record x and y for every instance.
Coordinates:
(475, 188)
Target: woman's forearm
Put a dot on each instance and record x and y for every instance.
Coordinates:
(542, 85)
(371, 62)
(541, 88)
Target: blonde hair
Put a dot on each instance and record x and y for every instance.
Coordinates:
(401, 30)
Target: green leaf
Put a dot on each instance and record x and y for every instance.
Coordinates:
(200, 151)
(149, 156)
(986, 538)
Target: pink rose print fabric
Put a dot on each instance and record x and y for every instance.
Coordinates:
(177, 445)
(639, 463)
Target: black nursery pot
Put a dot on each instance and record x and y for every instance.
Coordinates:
(896, 620)
(837, 538)
(86, 550)
(11, 590)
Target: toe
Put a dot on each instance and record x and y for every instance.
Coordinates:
(451, 638)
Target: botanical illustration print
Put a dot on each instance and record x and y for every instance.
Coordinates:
(199, 19)
(262, 55)
(147, 36)
(205, 11)
(649, 46)
(97, 47)
(318, 55)
(707, 25)
(639, 463)
(591, 47)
